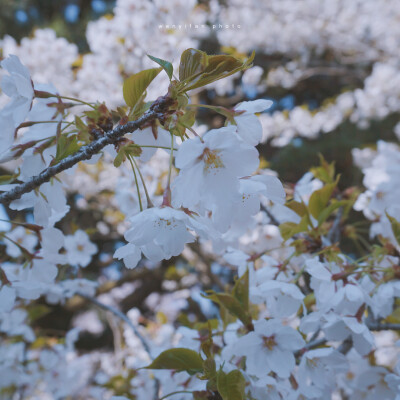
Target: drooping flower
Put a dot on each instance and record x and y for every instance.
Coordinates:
(159, 233)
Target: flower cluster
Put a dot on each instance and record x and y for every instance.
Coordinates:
(172, 261)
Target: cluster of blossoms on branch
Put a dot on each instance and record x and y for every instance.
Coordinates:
(258, 298)
(295, 296)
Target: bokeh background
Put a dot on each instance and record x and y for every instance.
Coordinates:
(331, 68)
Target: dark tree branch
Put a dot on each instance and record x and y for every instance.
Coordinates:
(157, 110)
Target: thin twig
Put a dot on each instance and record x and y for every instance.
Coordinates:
(334, 233)
(310, 345)
(346, 346)
(377, 326)
(87, 152)
(273, 221)
(131, 325)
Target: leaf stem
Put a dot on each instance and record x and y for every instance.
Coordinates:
(149, 202)
(137, 183)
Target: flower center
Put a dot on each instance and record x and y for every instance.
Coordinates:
(212, 161)
(166, 223)
(269, 342)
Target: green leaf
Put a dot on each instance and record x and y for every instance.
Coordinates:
(326, 212)
(232, 305)
(218, 67)
(119, 159)
(299, 208)
(320, 198)
(231, 386)
(178, 359)
(130, 149)
(192, 63)
(83, 130)
(6, 179)
(37, 311)
(210, 323)
(197, 69)
(395, 227)
(325, 172)
(136, 84)
(166, 65)
(289, 229)
(241, 290)
(66, 145)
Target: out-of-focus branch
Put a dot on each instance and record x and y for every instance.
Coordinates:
(310, 345)
(131, 325)
(87, 152)
(334, 233)
(377, 326)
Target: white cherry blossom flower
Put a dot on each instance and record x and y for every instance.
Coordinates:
(319, 368)
(248, 126)
(283, 299)
(24, 238)
(6, 137)
(159, 233)
(7, 298)
(340, 328)
(18, 86)
(79, 248)
(269, 348)
(146, 137)
(209, 174)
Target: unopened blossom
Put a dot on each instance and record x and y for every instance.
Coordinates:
(248, 126)
(18, 86)
(79, 248)
(209, 174)
(268, 348)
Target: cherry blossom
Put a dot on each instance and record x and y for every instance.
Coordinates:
(269, 348)
(79, 248)
(212, 162)
(248, 125)
(19, 87)
(159, 232)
